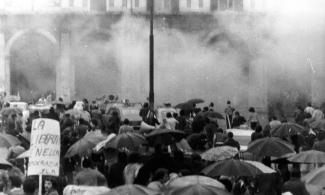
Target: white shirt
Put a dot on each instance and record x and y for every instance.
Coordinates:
(172, 123)
(309, 110)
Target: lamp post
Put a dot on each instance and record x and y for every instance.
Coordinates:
(151, 60)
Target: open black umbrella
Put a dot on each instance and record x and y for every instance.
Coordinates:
(270, 146)
(288, 129)
(185, 106)
(213, 115)
(129, 141)
(195, 101)
(164, 136)
(231, 167)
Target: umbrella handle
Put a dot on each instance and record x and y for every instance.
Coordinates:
(228, 119)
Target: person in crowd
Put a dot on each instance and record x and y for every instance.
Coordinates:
(50, 187)
(115, 175)
(126, 127)
(309, 109)
(257, 134)
(253, 119)
(229, 110)
(230, 141)
(172, 122)
(89, 176)
(14, 127)
(210, 129)
(238, 120)
(182, 122)
(82, 128)
(144, 111)
(295, 185)
(317, 114)
(131, 170)
(53, 115)
(15, 181)
(30, 186)
(211, 106)
(274, 122)
(219, 138)
(299, 115)
(159, 179)
(164, 124)
(3, 182)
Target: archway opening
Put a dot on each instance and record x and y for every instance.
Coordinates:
(96, 69)
(33, 61)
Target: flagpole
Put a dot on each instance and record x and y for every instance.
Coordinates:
(151, 59)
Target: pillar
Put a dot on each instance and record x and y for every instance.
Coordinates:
(65, 86)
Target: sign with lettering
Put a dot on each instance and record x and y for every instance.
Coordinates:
(44, 157)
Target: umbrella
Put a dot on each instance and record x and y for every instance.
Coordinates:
(197, 189)
(195, 179)
(261, 166)
(184, 146)
(129, 141)
(132, 190)
(9, 111)
(310, 156)
(231, 167)
(315, 177)
(319, 124)
(7, 140)
(185, 106)
(287, 129)
(219, 153)
(164, 136)
(24, 155)
(195, 101)
(270, 146)
(213, 115)
(4, 164)
(85, 144)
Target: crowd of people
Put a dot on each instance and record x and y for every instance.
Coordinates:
(155, 168)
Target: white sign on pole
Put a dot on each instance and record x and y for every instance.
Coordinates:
(44, 149)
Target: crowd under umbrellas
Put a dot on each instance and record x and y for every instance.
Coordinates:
(100, 154)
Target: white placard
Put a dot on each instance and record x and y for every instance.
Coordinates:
(44, 149)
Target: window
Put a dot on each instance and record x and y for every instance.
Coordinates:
(111, 3)
(71, 3)
(124, 3)
(84, 3)
(200, 3)
(230, 4)
(189, 2)
(136, 3)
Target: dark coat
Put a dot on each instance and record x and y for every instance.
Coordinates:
(295, 186)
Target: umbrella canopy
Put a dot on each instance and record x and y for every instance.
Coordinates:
(261, 166)
(270, 146)
(195, 179)
(184, 146)
(185, 106)
(219, 153)
(287, 129)
(24, 154)
(319, 124)
(231, 167)
(85, 144)
(195, 101)
(197, 189)
(315, 177)
(7, 140)
(310, 156)
(4, 164)
(128, 141)
(132, 190)
(164, 136)
(213, 115)
(9, 111)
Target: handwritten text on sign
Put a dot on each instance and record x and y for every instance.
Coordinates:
(45, 148)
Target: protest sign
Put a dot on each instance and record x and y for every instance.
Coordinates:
(44, 152)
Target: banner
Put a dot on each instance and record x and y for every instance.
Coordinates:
(44, 152)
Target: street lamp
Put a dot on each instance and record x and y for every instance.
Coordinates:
(151, 60)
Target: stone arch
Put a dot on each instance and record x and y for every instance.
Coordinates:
(16, 36)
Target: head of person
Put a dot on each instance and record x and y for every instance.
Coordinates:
(161, 175)
(228, 103)
(237, 114)
(230, 135)
(169, 115)
(87, 163)
(182, 113)
(126, 121)
(49, 184)
(211, 104)
(206, 109)
(146, 105)
(29, 186)
(51, 109)
(15, 178)
(251, 109)
(258, 129)
(175, 115)
(309, 104)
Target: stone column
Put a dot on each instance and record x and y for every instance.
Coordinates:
(2, 63)
(65, 73)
